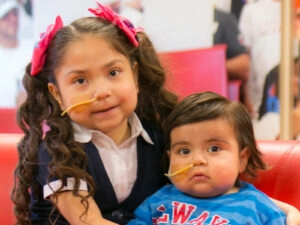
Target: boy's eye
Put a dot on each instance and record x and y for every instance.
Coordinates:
(114, 73)
(184, 151)
(214, 148)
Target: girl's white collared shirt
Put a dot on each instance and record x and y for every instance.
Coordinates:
(120, 162)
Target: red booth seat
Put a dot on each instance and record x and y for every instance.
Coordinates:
(8, 162)
(8, 122)
(196, 70)
(280, 182)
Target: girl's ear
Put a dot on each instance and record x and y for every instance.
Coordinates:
(244, 157)
(55, 93)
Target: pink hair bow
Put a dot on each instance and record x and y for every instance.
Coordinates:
(39, 57)
(106, 13)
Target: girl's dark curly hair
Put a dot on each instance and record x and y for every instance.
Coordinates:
(40, 108)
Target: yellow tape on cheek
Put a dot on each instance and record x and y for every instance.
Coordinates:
(78, 104)
(179, 171)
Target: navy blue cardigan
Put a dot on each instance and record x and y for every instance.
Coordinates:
(149, 179)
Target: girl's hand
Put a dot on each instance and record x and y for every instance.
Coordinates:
(292, 213)
(71, 208)
(293, 217)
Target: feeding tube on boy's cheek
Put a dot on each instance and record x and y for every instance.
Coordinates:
(169, 174)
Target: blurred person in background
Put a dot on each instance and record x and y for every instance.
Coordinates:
(268, 124)
(237, 57)
(232, 6)
(267, 127)
(15, 53)
(260, 27)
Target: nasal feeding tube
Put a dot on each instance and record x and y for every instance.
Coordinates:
(179, 171)
(78, 104)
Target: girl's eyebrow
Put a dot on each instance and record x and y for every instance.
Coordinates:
(76, 71)
(105, 66)
(82, 71)
(113, 62)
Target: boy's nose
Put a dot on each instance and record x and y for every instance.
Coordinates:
(199, 160)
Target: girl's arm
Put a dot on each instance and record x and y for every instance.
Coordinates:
(71, 208)
(292, 213)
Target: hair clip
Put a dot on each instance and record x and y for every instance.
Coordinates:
(39, 57)
(106, 13)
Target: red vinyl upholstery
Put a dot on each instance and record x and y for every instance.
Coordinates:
(199, 70)
(8, 162)
(8, 122)
(280, 182)
(196, 70)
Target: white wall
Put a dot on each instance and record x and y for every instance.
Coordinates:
(171, 24)
(179, 24)
(45, 12)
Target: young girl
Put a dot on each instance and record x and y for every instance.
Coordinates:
(92, 123)
(211, 144)
(99, 87)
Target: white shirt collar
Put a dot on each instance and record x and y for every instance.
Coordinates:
(84, 135)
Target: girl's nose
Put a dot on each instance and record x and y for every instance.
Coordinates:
(102, 89)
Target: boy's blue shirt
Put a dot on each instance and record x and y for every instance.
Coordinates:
(247, 206)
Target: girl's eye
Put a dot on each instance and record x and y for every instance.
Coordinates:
(214, 148)
(114, 73)
(80, 80)
(184, 151)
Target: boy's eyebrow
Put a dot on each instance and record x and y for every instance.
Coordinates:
(217, 140)
(179, 143)
(214, 139)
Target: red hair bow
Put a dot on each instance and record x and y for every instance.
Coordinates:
(39, 57)
(106, 13)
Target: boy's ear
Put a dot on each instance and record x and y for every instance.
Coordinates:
(168, 153)
(244, 157)
(55, 93)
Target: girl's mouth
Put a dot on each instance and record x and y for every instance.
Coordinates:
(105, 110)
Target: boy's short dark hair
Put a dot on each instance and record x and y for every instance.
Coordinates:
(209, 106)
